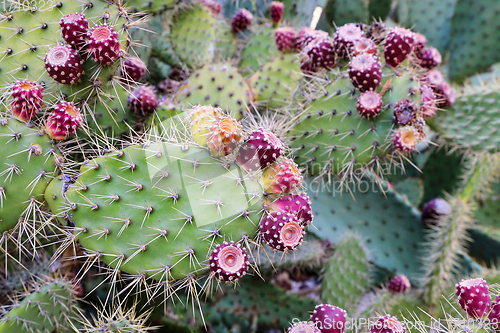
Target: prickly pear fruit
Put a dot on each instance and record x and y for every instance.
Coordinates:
(369, 104)
(142, 100)
(429, 58)
(213, 5)
(281, 231)
(428, 106)
(420, 42)
(26, 99)
(297, 204)
(202, 118)
(405, 111)
(329, 319)
(64, 64)
(228, 262)
(405, 138)
(494, 315)
(399, 284)
(241, 20)
(319, 53)
(303, 327)
(365, 72)
(344, 37)
(433, 209)
(474, 297)
(224, 136)
(387, 324)
(260, 150)
(398, 46)
(306, 36)
(276, 10)
(104, 46)
(74, 28)
(64, 120)
(281, 177)
(133, 69)
(285, 39)
(364, 45)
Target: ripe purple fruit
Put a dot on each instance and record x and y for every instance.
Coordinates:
(133, 69)
(387, 324)
(277, 9)
(494, 315)
(64, 64)
(104, 46)
(420, 42)
(228, 262)
(260, 150)
(281, 177)
(74, 29)
(433, 209)
(428, 106)
(369, 104)
(142, 100)
(329, 319)
(241, 20)
(306, 36)
(399, 284)
(213, 5)
(405, 111)
(474, 297)
(281, 231)
(26, 100)
(429, 58)
(297, 204)
(398, 45)
(365, 72)
(344, 37)
(317, 54)
(285, 39)
(64, 120)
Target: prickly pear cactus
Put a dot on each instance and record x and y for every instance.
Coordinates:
(45, 308)
(259, 49)
(154, 6)
(29, 162)
(116, 321)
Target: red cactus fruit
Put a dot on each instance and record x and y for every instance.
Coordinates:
(303, 327)
(74, 28)
(213, 5)
(317, 54)
(445, 95)
(64, 64)
(228, 262)
(329, 318)
(474, 297)
(494, 315)
(64, 120)
(344, 38)
(428, 102)
(142, 100)
(364, 45)
(281, 177)
(405, 111)
(26, 99)
(276, 10)
(297, 204)
(429, 58)
(434, 209)
(306, 36)
(104, 46)
(387, 324)
(281, 231)
(420, 43)
(405, 139)
(260, 150)
(399, 284)
(369, 104)
(398, 45)
(133, 69)
(433, 78)
(365, 72)
(285, 39)
(241, 20)
(224, 136)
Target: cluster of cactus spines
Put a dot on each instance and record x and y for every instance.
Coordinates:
(399, 284)
(474, 297)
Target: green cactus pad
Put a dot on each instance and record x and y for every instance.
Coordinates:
(412, 188)
(275, 84)
(154, 6)
(472, 122)
(46, 308)
(332, 135)
(218, 85)
(260, 48)
(379, 9)
(226, 46)
(193, 35)
(348, 11)
(39, 30)
(156, 208)
(346, 276)
(474, 38)
(28, 165)
(391, 229)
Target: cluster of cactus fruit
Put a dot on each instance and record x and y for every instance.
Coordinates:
(160, 153)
